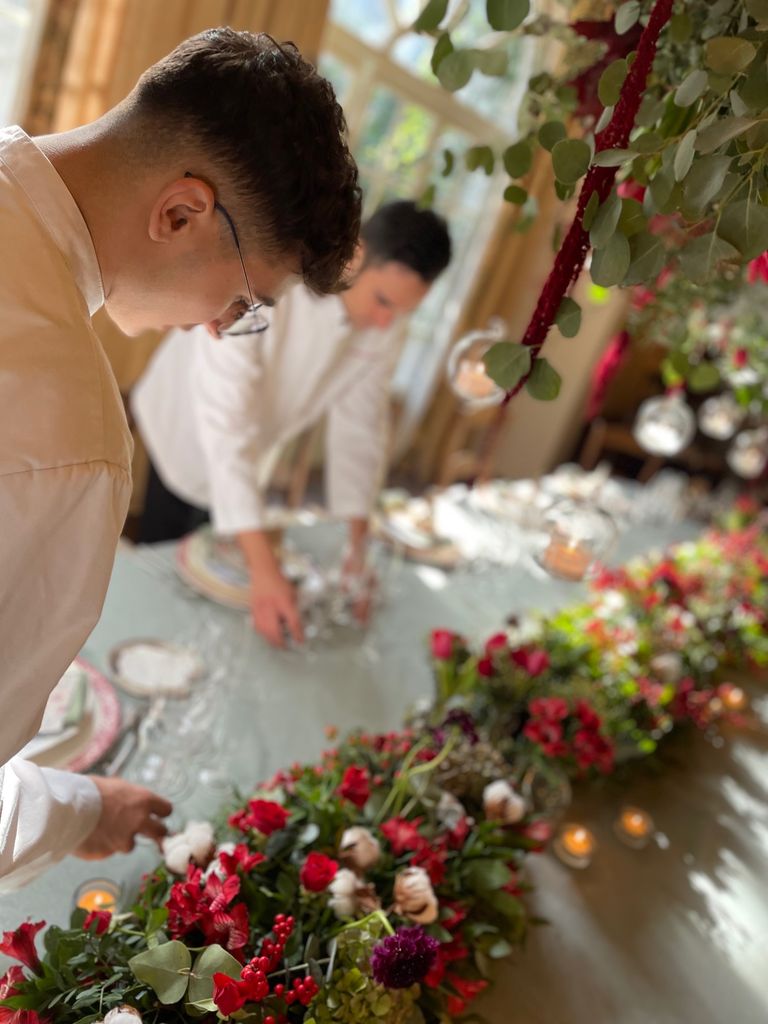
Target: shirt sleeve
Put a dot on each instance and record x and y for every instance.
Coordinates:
(357, 434)
(44, 815)
(60, 528)
(228, 392)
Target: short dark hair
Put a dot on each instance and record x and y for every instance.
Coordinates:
(275, 134)
(405, 233)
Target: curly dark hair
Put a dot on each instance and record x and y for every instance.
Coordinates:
(275, 134)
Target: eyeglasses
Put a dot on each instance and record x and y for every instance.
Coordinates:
(244, 318)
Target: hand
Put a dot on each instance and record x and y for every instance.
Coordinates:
(275, 610)
(126, 811)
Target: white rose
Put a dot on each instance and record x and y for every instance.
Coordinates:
(122, 1015)
(502, 803)
(215, 867)
(359, 848)
(450, 811)
(414, 896)
(195, 843)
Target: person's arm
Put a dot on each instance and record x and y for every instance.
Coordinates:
(229, 395)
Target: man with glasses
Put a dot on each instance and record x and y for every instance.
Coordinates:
(215, 417)
(222, 177)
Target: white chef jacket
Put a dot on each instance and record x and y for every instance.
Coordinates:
(64, 490)
(215, 414)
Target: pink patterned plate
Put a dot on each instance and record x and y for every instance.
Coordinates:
(96, 731)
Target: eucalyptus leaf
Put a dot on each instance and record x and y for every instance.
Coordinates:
(703, 181)
(568, 318)
(506, 15)
(515, 194)
(593, 204)
(517, 159)
(443, 47)
(703, 377)
(613, 157)
(480, 158)
(431, 16)
(647, 258)
(649, 142)
(699, 259)
(632, 219)
(485, 874)
(685, 154)
(611, 81)
(551, 133)
(754, 88)
(165, 969)
(455, 70)
(610, 263)
(744, 225)
(728, 55)
(544, 382)
(605, 222)
(448, 162)
(213, 960)
(680, 27)
(722, 131)
(507, 363)
(570, 160)
(691, 88)
(758, 9)
(492, 62)
(626, 16)
(499, 949)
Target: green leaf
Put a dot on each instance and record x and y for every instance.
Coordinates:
(684, 155)
(517, 159)
(515, 194)
(699, 258)
(431, 16)
(443, 47)
(703, 181)
(213, 960)
(754, 88)
(551, 133)
(490, 62)
(758, 9)
(499, 949)
(722, 131)
(649, 142)
(632, 219)
(611, 81)
(613, 157)
(486, 874)
(507, 362)
(544, 382)
(480, 158)
(448, 162)
(610, 264)
(605, 222)
(570, 160)
(692, 86)
(626, 16)
(506, 15)
(647, 257)
(590, 210)
(427, 197)
(703, 377)
(455, 70)
(507, 904)
(680, 28)
(745, 225)
(165, 969)
(728, 55)
(568, 319)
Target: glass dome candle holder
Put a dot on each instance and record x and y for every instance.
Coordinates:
(748, 454)
(467, 376)
(575, 535)
(664, 425)
(720, 417)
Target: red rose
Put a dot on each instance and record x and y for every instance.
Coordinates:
(403, 835)
(551, 709)
(443, 642)
(587, 715)
(355, 786)
(740, 358)
(227, 994)
(100, 918)
(498, 642)
(20, 945)
(485, 667)
(534, 661)
(318, 872)
(266, 816)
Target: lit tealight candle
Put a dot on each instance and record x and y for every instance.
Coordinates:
(575, 845)
(733, 697)
(567, 558)
(97, 894)
(634, 827)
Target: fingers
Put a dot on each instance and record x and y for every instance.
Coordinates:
(159, 806)
(267, 622)
(293, 621)
(153, 829)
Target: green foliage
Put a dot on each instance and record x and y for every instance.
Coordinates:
(544, 381)
(507, 363)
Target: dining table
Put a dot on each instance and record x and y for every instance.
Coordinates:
(675, 933)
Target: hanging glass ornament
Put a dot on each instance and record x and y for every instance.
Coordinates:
(748, 455)
(664, 425)
(466, 371)
(575, 535)
(720, 416)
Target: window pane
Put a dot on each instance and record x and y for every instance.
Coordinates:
(17, 21)
(337, 73)
(368, 19)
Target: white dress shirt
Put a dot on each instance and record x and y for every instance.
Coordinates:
(215, 414)
(64, 489)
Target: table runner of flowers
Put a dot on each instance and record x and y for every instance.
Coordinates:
(383, 882)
